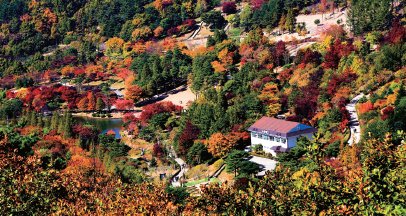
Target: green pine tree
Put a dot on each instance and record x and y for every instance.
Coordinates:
(217, 36)
(25, 82)
(60, 126)
(34, 119)
(67, 130)
(100, 105)
(55, 121)
(47, 123)
(18, 83)
(234, 159)
(210, 41)
(290, 21)
(145, 74)
(28, 117)
(401, 93)
(40, 123)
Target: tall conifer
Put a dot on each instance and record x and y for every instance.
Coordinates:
(34, 118)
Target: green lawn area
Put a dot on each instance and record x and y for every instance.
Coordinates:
(201, 181)
(235, 32)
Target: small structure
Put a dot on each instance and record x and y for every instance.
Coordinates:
(277, 135)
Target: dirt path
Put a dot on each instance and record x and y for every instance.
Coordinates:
(181, 97)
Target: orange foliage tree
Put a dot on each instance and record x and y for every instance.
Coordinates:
(133, 93)
(218, 145)
(92, 101)
(365, 107)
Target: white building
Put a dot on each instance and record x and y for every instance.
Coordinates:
(277, 135)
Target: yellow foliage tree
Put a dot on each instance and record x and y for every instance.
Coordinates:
(115, 45)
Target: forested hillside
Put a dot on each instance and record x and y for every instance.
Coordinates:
(69, 70)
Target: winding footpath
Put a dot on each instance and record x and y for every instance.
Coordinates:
(181, 164)
(354, 123)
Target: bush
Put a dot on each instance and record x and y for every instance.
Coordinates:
(218, 163)
(94, 114)
(317, 21)
(108, 115)
(97, 115)
(229, 7)
(69, 39)
(102, 115)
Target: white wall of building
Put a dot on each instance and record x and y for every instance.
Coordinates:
(268, 144)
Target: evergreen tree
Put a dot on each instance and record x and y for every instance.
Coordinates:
(177, 54)
(55, 121)
(31, 82)
(153, 162)
(145, 74)
(156, 70)
(47, 123)
(210, 41)
(174, 72)
(40, 123)
(217, 36)
(18, 83)
(290, 21)
(100, 105)
(28, 117)
(34, 119)
(67, 130)
(60, 126)
(25, 82)
(282, 22)
(234, 159)
(401, 93)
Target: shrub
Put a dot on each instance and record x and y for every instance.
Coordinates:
(317, 21)
(97, 115)
(218, 163)
(108, 115)
(68, 39)
(94, 114)
(229, 7)
(102, 115)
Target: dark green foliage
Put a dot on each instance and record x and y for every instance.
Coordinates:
(179, 193)
(158, 121)
(213, 19)
(68, 123)
(333, 149)
(235, 160)
(294, 157)
(376, 129)
(369, 15)
(116, 148)
(11, 108)
(153, 162)
(210, 41)
(198, 154)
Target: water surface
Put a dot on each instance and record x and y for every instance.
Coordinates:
(103, 124)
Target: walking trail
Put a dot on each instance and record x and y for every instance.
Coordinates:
(354, 123)
(182, 168)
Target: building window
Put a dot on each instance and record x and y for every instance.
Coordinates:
(259, 136)
(278, 139)
(272, 138)
(254, 134)
(266, 137)
(283, 140)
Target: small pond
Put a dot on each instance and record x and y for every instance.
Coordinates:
(103, 124)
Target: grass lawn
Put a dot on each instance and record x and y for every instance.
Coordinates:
(201, 181)
(235, 32)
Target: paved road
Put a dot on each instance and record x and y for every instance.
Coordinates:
(265, 163)
(118, 93)
(354, 123)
